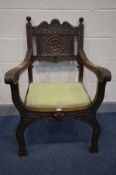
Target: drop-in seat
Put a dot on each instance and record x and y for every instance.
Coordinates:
(57, 95)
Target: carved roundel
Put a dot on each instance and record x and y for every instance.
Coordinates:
(55, 44)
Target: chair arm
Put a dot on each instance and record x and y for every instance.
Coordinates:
(12, 75)
(102, 74)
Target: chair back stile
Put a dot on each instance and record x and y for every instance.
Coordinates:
(29, 46)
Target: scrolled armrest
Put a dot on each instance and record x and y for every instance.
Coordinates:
(102, 74)
(12, 75)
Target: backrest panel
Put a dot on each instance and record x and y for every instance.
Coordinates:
(55, 41)
(54, 45)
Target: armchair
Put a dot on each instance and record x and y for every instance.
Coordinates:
(56, 101)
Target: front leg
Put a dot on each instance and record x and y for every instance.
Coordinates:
(95, 136)
(20, 138)
(20, 135)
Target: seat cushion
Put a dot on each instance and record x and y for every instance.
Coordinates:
(57, 95)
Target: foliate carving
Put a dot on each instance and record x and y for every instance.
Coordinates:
(55, 44)
(54, 27)
(83, 115)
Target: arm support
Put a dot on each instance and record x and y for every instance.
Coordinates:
(12, 75)
(102, 74)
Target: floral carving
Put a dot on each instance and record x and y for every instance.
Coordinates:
(55, 44)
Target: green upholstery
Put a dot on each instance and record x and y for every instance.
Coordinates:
(56, 95)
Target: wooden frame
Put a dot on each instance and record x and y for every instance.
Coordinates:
(86, 114)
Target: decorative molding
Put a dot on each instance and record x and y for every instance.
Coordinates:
(54, 27)
(10, 110)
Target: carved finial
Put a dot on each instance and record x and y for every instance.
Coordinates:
(81, 19)
(28, 18)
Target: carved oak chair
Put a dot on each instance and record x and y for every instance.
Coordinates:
(57, 101)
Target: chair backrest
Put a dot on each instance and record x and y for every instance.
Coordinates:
(55, 41)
